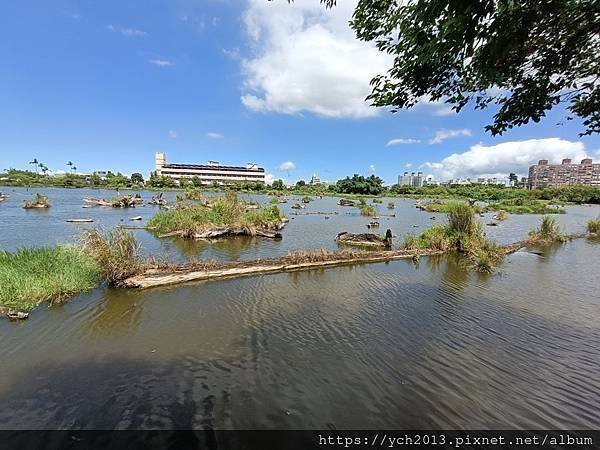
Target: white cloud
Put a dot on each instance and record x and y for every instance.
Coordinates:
(372, 168)
(214, 135)
(129, 32)
(502, 159)
(173, 134)
(160, 62)
(408, 165)
(269, 178)
(401, 141)
(442, 135)
(307, 59)
(288, 165)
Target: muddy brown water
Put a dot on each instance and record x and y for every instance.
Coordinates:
(386, 345)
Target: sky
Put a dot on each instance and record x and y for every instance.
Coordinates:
(107, 84)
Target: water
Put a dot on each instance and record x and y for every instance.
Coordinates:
(371, 346)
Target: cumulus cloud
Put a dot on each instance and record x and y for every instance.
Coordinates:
(401, 141)
(443, 134)
(408, 165)
(129, 32)
(307, 59)
(288, 165)
(173, 134)
(502, 159)
(372, 168)
(214, 135)
(160, 62)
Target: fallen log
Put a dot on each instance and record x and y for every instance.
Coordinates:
(365, 239)
(196, 272)
(80, 220)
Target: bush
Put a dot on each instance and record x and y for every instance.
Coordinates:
(593, 226)
(367, 210)
(547, 233)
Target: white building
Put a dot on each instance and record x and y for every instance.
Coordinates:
(415, 180)
(209, 173)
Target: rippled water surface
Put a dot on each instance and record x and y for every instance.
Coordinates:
(387, 345)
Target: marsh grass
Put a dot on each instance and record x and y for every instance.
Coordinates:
(501, 215)
(116, 252)
(223, 211)
(548, 233)
(367, 210)
(391, 205)
(593, 226)
(524, 206)
(463, 234)
(31, 276)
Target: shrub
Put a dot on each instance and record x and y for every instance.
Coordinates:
(548, 232)
(39, 201)
(367, 210)
(593, 226)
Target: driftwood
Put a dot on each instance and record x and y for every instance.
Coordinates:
(315, 213)
(195, 272)
(217, 232)
(346, 202)
(298, 206)
(80, 220)
(365, 239)
(119, 202)
(136, 218)
(161, 276)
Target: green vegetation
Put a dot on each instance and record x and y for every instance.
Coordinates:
(463, 234)
(593, 226)
(39, 201)
(391, 205)
(306, 199)
(116, 252)
(359, 184)
(223, 211)
(445, 206)
(377, 200)
(462, 52)
(368, 210)
(547, 233)
(31, 276)
(524, 206)
(501, 215)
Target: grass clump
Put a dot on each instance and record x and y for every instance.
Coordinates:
(377, 200)
(31, 276)
(501, 215)
(446, 207)
(39, 201)
(593, 226)
(463, 234)
(116, 252)
(525, 206)
(306, 199)
(367, 210)
(391, 205)
(548, 233)
(223, 211)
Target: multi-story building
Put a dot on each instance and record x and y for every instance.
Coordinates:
(564, 174)
(415, 180)
(315, 180)
(209, 173)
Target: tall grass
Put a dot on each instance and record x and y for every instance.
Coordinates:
(33, 275)
(367, 210)
(116, 252)
(224, 211)
(547, 233)
(593, 226)
(463, 234)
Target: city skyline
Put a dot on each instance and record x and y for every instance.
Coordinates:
(106, 86)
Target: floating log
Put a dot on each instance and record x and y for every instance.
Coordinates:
(298, 206)
(136, 218)
(365, 239)
(346, 202)
(80, 220)
(217, 232)
(195, 272)
(373, 224)
(315, 213)
(169, 275)
(118, 202)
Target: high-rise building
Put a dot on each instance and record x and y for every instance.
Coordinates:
(415, 180)
(209, 173)
(315, 180)
(564, 174)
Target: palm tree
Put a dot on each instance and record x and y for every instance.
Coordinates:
(70, 164)
(44, 169)
(35, 162)
(74, 169)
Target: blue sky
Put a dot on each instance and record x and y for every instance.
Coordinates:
(106, 84)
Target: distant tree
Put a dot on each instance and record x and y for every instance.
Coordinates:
(359, 184)
(524, 56)
(137, 178)
(95, 179)
(278, 185)
(300, 184)
(197, 182)
(513, 179)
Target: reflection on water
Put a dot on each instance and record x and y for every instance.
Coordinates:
(402, 344)
(381, 345)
